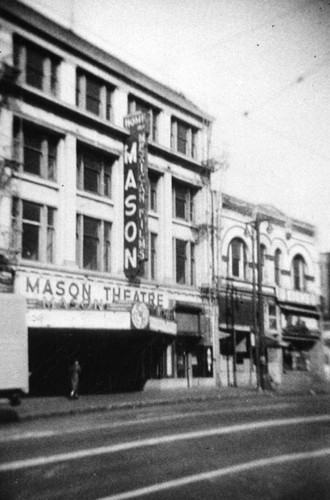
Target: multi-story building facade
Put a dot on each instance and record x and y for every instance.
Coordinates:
(289, 290)
(325, 289)
(63, 102)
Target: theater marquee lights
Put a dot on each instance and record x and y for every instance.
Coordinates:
(135, 193)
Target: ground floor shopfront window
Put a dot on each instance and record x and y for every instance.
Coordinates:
(296, 360)
(180, 358)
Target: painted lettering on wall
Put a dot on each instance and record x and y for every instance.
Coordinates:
(68, 293)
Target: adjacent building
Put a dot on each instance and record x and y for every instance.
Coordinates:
(325, 290)
(289, 289)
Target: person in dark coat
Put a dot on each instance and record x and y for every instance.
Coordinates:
(75, 371)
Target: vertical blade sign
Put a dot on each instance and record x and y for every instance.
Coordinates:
(135, 194)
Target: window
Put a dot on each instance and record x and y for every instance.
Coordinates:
(36, 225)
(185, 270)
(148, 269)
(153, 255)
(277, 265)
(94, 171)
(36, 149)
(135, 104)
(183, 198)
(272, 316)
(237, 259)
(298, 273)
(94, 95)
(184, 138)
(37, 67)
(93, 245)
(153, 191)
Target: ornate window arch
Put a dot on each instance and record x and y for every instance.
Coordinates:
(237, 260)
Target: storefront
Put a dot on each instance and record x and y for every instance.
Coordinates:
(125, 336)
(237, 345)
(302, 335)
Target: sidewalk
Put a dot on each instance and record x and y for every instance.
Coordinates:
(33, 408)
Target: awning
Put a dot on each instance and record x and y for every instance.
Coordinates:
(301, 333)
(188, 323)
(300, 311)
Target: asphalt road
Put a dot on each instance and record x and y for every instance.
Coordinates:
(254, 449)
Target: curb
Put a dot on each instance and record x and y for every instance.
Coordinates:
(10, 415)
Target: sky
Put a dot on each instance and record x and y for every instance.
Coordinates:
(261, 68)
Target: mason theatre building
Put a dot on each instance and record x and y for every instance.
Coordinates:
(103, 220)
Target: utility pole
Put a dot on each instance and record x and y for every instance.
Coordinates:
(232, 307)
(262, 347)
(254, 311)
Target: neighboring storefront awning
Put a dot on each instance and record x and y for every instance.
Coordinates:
(188, 323)
(301, 333)
(299, 311)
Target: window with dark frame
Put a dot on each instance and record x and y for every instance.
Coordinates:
(185, 267)
(38, 67)
(93, 243)
(192, 264)
(90, 243)
(184, 197)
(35, 223)
(184, 138)
(277, 264)
(298, 268)
(94, 171)
(153, 191)
(94, 95)
(237, 258)
(35, 148)
(153, 255)
(148, 268)
(107, 247)
(180, 260)
(50, 245)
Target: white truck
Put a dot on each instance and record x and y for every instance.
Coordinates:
(14, 370)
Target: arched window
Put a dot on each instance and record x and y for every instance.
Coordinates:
(298, 272)
(237, 258)
(277, 265)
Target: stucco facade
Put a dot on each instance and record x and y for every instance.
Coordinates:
(290, 292)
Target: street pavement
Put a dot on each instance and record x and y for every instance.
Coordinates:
(32, 407)
(256, 446)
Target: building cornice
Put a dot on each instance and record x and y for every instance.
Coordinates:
(56, 34)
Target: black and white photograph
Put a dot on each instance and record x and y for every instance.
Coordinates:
(164, 249)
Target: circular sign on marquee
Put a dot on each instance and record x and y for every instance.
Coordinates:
(140, 315)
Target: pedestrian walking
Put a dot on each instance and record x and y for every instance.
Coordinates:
(75, 371)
